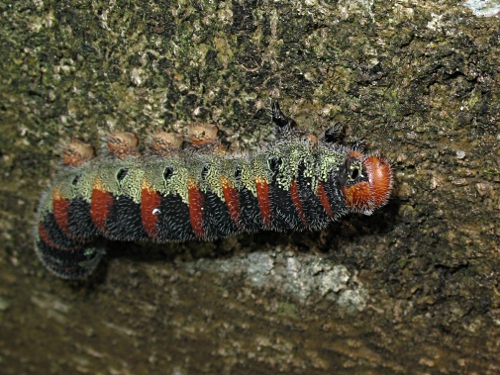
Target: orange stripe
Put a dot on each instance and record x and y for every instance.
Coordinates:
(294, 193)
(232, 200)
(44, 236)
(150, 203)
(60, 206)
(196, 202)
(100, 205)
(263, 198)
(323, 198)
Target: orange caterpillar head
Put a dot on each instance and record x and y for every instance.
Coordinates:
(366, 182)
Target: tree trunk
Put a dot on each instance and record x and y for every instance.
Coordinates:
(410, 289)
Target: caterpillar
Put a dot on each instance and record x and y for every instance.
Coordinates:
(179, 192)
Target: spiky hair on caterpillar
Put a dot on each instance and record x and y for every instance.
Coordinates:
(192, 189)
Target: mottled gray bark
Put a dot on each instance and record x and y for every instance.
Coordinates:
(412, 288)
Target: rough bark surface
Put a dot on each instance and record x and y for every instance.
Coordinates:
(411, 289)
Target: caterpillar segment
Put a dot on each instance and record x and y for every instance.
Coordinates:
(187, 188)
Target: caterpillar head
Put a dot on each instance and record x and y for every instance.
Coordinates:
(366, 182)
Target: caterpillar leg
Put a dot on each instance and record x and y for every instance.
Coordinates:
(333, 134)
(285, 124)
(74, 264)
(202, 134)
(64, 256)
(123, 145)
(77, 153)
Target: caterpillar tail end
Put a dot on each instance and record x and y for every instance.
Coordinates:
(74, 265)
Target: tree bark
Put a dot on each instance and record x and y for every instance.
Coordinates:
(411, 289)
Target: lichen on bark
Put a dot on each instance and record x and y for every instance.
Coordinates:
(412, 288)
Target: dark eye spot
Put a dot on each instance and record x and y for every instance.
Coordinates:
(122, 173)
(76, 180)
(204, 171)
(168, 173)
(237, 173)
(274, 164)
(351, 173)
(354, 173)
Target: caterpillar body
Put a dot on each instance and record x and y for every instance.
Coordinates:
(175, 194)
